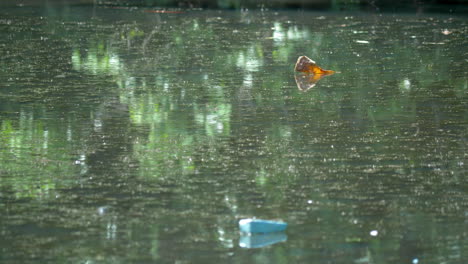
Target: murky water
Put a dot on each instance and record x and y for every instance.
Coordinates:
(128, 136)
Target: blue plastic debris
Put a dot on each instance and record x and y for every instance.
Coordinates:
(261, 226)
(261, 240)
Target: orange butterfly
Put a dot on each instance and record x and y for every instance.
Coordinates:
(305, 64)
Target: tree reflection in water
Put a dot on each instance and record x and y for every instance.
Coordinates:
(129, 137)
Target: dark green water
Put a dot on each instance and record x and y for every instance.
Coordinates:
(136, 137)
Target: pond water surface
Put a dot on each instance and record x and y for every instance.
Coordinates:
(129, 136)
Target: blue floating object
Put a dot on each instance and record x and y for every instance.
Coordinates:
(261, 240)
(261, 226)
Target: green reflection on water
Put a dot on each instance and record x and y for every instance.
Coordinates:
(130, 137)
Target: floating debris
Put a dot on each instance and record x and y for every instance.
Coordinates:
(261, 226)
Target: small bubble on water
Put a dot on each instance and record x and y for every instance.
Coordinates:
(310, 202)
(374, 233)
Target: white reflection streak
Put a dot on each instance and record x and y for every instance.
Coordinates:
(95, 64)
(69, 133)
(97, 125)
(212, 118)
(295, 34)
(407, 84)
(248, 80)
(278, 33)
(249, 62)
(46, 139)
(114, 61)
(240, 60)
(228, 243)
(220, 127)
(231, 204)
(111, 230)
